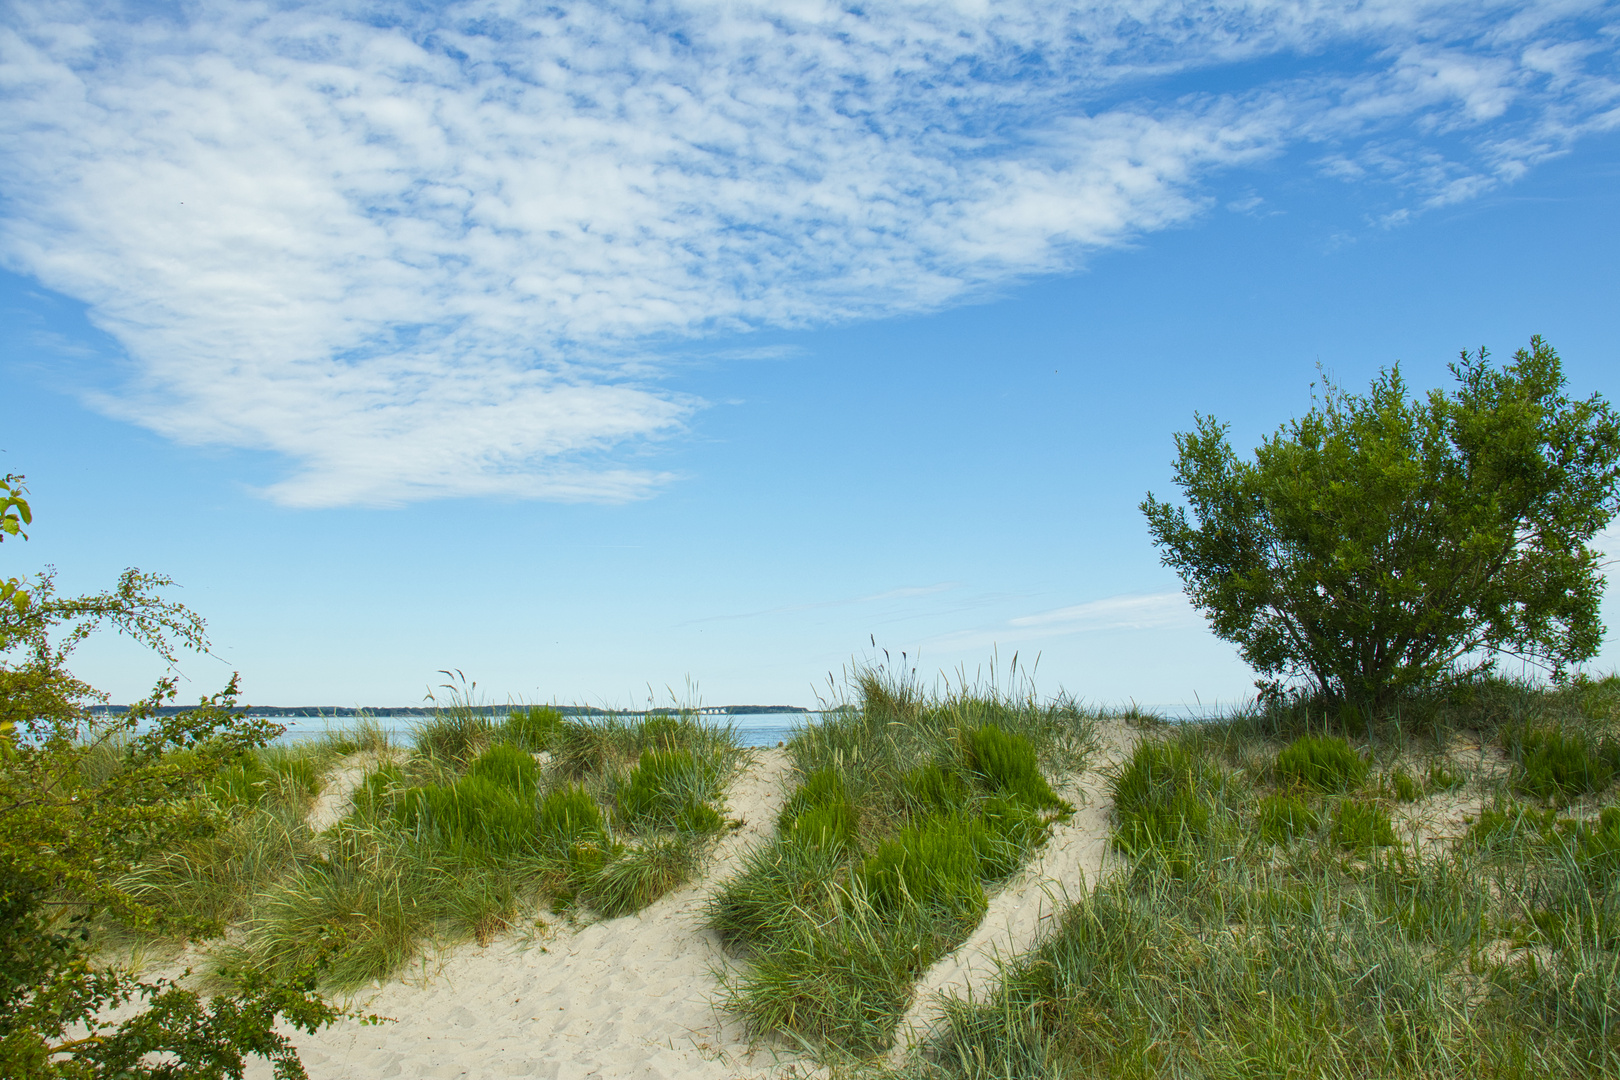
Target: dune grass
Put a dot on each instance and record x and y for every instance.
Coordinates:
(463, 835)
(907, 809)
(1283, 909)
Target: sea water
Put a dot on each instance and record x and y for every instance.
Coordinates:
(753, 729)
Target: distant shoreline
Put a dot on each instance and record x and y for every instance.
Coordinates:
(341, 712)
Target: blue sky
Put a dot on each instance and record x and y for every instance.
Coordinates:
(596, 349)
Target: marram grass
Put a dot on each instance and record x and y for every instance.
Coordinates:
(457, 837)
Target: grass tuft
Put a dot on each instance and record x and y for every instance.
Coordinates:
(1321, 763)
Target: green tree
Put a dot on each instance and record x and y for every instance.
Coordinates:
(82, 800)
(1383, 543)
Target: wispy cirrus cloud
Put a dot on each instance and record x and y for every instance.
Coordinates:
(1143, 611)
(428, 253)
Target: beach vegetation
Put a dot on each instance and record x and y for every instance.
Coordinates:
(908, 808)
(1321, 763)
(92, 808)
(1331, 948)
(451, 838)
(529, 728)
(1384, 543)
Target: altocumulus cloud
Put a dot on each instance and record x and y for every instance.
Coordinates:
(430, 253)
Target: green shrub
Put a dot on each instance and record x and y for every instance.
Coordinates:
(1283, 817)
(508, 767)
(1162, 799)
(1557, 765)
(931, 789)
(1361, 826)
(1007, 763)
(1325, 763)
(639, 875)
(568, 815)
(935, 864)
(530, 729)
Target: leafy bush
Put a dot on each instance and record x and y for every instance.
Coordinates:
(1554, 764)
(78, 817)
(1283, 817)
(1361, 826)
(1162, 799)
(1007, 763)
(530, 729)
(1459, 524)
(1324, 763)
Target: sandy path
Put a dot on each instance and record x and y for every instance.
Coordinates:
(627, 997)
(1070, 862)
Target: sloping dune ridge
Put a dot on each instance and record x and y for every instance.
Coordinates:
(633, 997)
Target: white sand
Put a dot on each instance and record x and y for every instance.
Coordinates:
(1018, 914)
(633, 997)
(627, 997)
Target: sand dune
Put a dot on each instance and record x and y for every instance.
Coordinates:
(633, 997)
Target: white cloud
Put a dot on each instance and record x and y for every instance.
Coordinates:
(428, 253)
(1130, 612)
(1113, 613)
